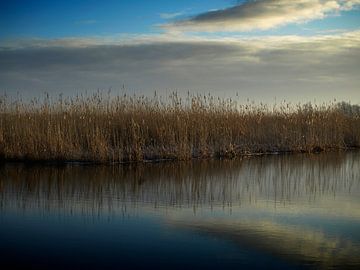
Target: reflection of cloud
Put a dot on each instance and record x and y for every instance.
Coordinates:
(201, 195)
(263, 15)
(302, 245)
(268, 64)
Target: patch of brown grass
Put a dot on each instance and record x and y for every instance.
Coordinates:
(137, 128)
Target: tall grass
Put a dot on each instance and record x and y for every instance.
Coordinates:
(136, 128)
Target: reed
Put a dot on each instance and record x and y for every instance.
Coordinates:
(126, 128)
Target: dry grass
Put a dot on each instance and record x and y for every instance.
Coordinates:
(131, 128)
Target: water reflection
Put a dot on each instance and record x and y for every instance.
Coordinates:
(301, 208)
(280, 180)
(303, 245)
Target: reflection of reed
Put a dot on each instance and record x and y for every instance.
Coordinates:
(307, 247)
(204, 183)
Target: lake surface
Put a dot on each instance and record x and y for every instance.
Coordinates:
(273, 212)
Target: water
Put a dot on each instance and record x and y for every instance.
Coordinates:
(274, 212)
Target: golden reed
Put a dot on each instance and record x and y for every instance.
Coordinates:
(137, 128)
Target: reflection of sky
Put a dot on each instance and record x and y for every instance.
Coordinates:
(316, 217)
(99, 243)
(300, 241)
(291, 185)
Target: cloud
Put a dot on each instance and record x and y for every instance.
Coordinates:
(262, 15)
(290, 67)
(171, 15)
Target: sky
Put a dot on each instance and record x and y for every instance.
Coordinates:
(264, 50)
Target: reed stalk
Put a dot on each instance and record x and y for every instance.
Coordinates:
(126, 128)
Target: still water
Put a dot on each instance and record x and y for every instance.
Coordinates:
(273, 212)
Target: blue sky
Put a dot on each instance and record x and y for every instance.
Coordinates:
(51, 19)
(297, 50)
(54, 19)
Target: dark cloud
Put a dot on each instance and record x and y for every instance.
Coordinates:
(261, 14)
(124, 56)
(284, 67)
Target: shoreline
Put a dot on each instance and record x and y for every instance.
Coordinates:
(61, 162)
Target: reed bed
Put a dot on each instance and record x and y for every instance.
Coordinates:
(101, 128)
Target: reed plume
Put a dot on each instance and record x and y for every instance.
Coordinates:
(126, 128)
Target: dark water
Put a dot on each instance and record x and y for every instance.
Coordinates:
(275, 212)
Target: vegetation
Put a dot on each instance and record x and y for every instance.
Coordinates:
(137, 128)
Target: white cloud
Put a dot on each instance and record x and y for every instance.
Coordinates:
(171, 15)
(262, 15)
